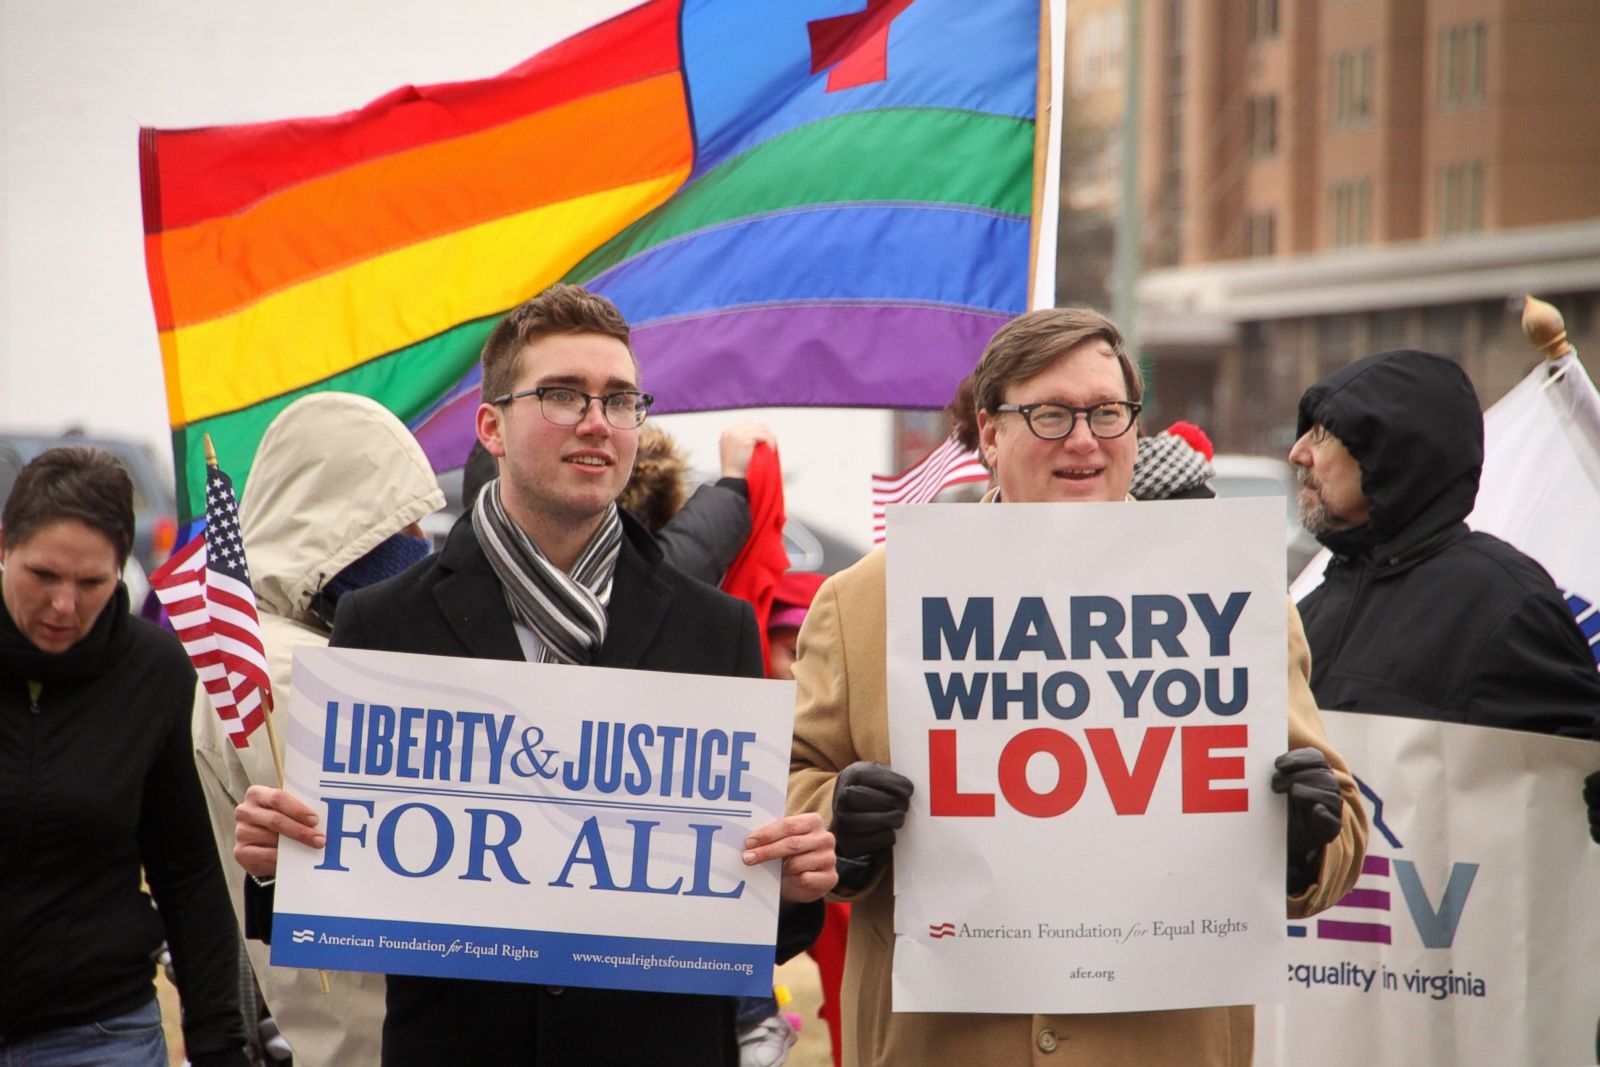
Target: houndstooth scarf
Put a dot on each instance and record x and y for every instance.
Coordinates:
(1167, 464)
(567, 611)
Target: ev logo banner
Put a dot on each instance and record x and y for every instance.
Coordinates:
(1470, 937)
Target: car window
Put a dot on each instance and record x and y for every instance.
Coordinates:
(1245, 485)
(1248, 487)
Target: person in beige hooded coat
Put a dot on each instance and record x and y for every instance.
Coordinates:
(335, 476)
(1052, 359)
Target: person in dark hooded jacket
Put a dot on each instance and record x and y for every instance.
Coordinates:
(1417, 615)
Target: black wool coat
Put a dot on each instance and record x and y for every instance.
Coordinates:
(451, 604)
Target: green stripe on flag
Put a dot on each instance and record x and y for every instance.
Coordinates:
(406, 381)
(902, 155)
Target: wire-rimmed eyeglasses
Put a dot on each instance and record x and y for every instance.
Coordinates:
(1051, 422)
(566, 406)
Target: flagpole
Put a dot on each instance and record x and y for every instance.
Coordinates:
(1043, 101)
(1545, 329)
(272, 731)
(267, 716)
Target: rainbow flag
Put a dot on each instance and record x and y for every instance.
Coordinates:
(794, 202)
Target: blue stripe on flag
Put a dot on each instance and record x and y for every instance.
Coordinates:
(932, 254)
(748, 65)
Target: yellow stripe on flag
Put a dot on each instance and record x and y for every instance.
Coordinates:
(327, 326)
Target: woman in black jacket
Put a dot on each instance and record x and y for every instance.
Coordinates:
(96, 783)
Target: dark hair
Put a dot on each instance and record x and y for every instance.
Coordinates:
(1030, 344)
(86, 485)
(963, 414)
(559, 309)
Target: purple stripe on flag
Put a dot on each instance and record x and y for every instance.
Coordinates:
(813, 355)
(1335, 930)
(1366, 898)
(1375, 865)
(447, 434)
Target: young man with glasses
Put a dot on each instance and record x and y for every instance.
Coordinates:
(545, 567)
(1057, 402)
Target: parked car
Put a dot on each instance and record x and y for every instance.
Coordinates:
(1245, 476)
(154, 507)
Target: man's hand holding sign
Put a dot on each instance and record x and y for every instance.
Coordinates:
(1082, 708)
(801, 841)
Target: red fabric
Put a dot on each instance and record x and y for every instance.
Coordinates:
(828, 953)
(1195, 436)
(762, 561)
(797, 589)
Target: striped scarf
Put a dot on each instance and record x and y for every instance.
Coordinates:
(567, 611)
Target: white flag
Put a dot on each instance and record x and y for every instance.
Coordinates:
(1541, 480)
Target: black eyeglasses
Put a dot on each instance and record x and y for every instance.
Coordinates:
(566, 406)
(1051, 422)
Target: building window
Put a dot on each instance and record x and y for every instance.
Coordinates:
(1492, 315)
(1462, 62)
(1446, 329)
(1260, 234)
(1389, 329)
(1263, 19)
(1460, 196)
(1097, 55)
(1263, 132)
(1167, 240)
(1336, 336)
(1256, 355)
(1113, 61)
(1352, 88)
(1350, 205)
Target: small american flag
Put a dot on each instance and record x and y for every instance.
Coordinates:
(205, 587)
(947, 465)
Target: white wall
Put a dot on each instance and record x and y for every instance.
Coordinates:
(79, 77)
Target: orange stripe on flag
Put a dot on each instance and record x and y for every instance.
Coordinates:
(617, 138)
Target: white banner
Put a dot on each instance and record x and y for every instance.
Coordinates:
(1088, 698)
(532, 822)
(1541, 480)
(1471, 937)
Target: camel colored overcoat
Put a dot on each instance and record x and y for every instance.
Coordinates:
(841, 717)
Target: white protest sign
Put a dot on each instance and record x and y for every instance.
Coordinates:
(532, 822)
(1089, 698)
(1470, 938)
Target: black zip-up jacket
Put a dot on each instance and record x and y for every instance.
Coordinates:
(96, 778)
(1418, 615)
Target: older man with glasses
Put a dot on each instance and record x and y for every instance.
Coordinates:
(1057, 401)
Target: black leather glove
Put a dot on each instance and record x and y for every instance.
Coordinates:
(1316, 810)
(869, 805)
(1591, 797)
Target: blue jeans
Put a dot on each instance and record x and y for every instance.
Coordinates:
(131, 1040)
